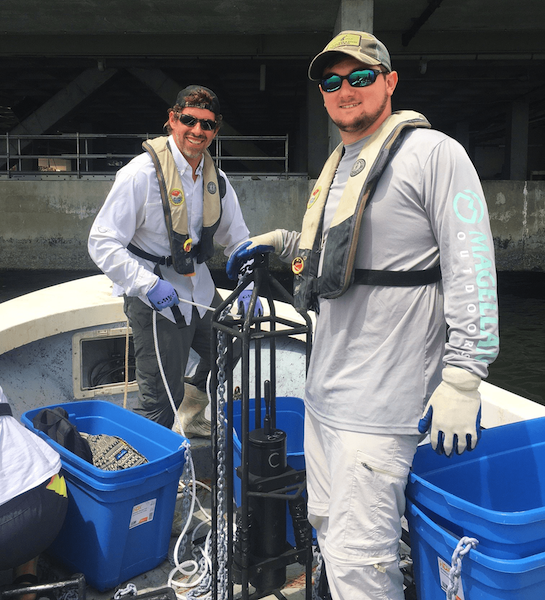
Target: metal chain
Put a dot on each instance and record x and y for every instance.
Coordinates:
(70, 595)
(203, 589)
(464, 546)
(129, 590)
(317, 573)
(222, 533)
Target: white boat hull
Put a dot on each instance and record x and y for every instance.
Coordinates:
(36, 354)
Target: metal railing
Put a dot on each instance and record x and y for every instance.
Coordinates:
(81, 155)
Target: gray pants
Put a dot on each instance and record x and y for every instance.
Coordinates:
(174, 346)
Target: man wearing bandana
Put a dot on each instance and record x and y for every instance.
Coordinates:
(152, 238)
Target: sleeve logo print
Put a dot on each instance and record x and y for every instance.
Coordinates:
(469, 207)
(476, 254)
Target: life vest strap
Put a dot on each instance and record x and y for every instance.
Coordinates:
(397, 278)
(5, 410)
(160, 260)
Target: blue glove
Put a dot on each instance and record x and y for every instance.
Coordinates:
(243, 302)
(241, 255)
(453, 412)
(162, 295)
(268, 242)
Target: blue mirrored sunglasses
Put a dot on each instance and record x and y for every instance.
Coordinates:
(358, 78)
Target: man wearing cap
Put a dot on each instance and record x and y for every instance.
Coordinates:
(407, 321)
(152, 238)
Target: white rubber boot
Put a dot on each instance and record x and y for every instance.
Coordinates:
(191, 413)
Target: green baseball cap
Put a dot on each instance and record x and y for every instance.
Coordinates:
(363, 46)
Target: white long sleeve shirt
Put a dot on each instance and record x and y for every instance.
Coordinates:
(133, 212)
(378, 351)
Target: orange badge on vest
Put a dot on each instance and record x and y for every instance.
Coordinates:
(314, 196)
(297, 265)
(176, 196)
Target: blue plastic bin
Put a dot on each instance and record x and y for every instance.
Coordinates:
(483, 577)
(496, 493)
(290, 418)
(118, 523)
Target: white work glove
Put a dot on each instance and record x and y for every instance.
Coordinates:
(272, 241)
(454, 412)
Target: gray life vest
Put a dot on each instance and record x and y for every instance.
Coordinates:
(341, 246)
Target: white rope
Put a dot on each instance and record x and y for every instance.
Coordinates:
(200, 587)
(163, 376)
(126, 388)
(201, 507)
(202, 565)
(185, 444)
(464, 546)
(210, 308)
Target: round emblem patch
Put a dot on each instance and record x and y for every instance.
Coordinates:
(211, 187)
(297, 265)
(176, 196)
(187, 245)
(314, 196)
(358, 167)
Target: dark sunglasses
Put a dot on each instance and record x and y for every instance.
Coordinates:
(191, 121)
(358, 78)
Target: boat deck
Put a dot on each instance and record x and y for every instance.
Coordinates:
(28, 324)
(155, 579)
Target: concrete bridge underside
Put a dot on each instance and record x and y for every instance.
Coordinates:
(475, 68)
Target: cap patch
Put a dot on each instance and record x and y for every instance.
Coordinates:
(348, 39)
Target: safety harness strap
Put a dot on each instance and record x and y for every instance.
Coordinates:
(397, 278)
(160, 260)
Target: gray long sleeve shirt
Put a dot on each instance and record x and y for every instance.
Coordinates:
(378, 351)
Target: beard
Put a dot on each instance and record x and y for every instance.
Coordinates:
(190, 153)
(188, 149)
(363, 122)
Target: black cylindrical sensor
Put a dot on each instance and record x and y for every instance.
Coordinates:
(268, 458)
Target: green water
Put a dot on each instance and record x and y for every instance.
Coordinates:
(520, 366)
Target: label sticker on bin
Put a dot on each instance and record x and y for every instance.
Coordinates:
(444, 570)
(142, 513)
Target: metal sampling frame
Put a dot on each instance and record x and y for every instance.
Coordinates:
(75, 585)
(266, 575)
